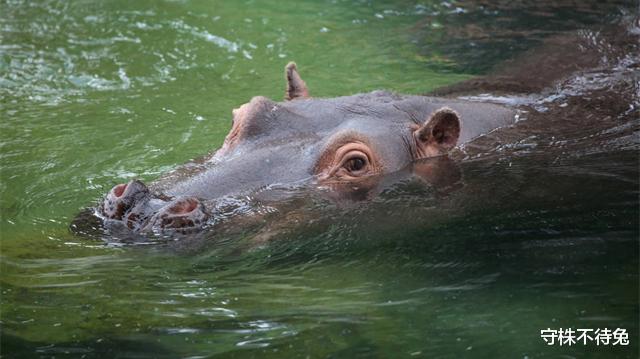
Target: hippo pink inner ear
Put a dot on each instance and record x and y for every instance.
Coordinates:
(296, 88)
(439, 133)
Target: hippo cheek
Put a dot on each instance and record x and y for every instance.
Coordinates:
(122, 198)
(352, 191)
(182, 215)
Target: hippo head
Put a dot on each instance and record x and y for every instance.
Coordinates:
(342, 144)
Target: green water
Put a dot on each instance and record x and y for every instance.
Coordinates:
(95, 93)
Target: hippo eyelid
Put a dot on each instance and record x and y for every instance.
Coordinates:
(342, 148)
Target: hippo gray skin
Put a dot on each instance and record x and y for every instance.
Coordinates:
(342, 144)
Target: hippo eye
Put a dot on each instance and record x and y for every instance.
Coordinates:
(351, 161)
(355, 164)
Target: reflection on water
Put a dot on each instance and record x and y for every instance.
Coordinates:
(481, 34)
(534, 226)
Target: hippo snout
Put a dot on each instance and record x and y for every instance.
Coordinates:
(133, 205)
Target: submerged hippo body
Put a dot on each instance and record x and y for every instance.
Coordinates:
(342, 144)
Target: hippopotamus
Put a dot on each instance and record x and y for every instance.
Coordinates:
(342, 144)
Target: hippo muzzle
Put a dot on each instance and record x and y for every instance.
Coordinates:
(133, 204)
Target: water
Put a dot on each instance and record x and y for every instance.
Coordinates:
(536, 228)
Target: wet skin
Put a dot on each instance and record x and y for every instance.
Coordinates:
(346, 145)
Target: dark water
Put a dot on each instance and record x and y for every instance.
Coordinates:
(531, 227)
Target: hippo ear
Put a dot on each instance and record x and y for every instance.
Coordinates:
(296, 88)
(439, 133)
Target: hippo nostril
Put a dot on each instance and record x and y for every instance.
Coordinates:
(124, 198)
(185, 206)
(119, 189)
(184, 213)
